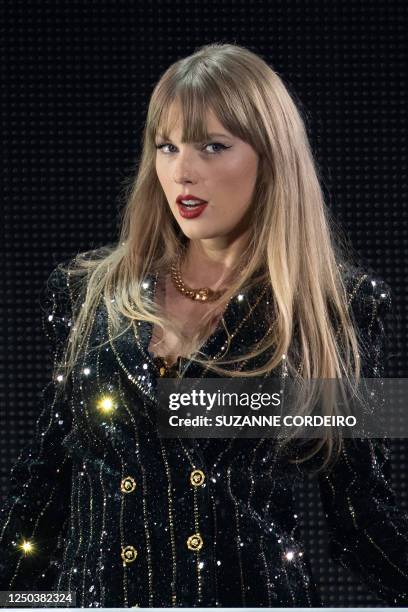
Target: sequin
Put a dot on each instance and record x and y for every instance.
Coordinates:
(27, 547)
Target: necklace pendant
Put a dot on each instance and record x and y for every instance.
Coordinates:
(201, 295)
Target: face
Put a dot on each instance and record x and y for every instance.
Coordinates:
(221, 171)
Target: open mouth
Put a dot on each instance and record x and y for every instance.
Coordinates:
(190, 210)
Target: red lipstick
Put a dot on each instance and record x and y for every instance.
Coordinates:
(190, 212)
(190, 206)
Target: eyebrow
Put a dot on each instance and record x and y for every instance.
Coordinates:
(212, 135)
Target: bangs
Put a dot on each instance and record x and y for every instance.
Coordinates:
(188, 107)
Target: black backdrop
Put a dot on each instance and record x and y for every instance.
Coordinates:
(77, 76)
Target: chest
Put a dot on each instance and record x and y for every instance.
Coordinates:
(186, 315)
(170, 343)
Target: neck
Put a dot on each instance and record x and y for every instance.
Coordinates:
(212, 262)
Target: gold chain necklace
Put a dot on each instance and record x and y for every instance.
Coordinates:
(204, 294)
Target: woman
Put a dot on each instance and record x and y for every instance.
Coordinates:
(225, 266)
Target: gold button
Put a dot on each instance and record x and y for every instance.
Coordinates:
(197, 478)
(128, 484)
(195, 542)
(129, 554)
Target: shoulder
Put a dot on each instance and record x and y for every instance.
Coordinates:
(368, 295)
(371, 309)
(56, 303)
(62, 291)
(69, 276)
(56, 288)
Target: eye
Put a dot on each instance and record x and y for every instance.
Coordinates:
(210, 144)
(161, 146)
(216, 144)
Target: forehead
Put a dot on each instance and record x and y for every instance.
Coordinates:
(190, 125)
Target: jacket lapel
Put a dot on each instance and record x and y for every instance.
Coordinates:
(245, 321)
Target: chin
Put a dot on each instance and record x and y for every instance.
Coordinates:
(199, 233)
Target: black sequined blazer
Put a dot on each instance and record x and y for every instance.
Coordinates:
(123, 518)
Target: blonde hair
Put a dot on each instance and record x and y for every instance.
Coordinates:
(292, 243)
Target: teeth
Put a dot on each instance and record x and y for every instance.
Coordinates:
(192, 202)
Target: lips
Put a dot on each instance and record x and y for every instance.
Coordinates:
(190, 206)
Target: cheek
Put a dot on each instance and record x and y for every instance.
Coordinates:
(159, 171)
(237, 180)
(162, 171)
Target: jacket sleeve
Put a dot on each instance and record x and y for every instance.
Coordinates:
(34, 514)
(368, 532)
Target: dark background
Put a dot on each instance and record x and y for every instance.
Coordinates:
(76, 80)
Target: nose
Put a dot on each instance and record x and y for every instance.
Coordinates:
(183, 169)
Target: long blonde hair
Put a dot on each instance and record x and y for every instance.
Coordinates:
(292, 241)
